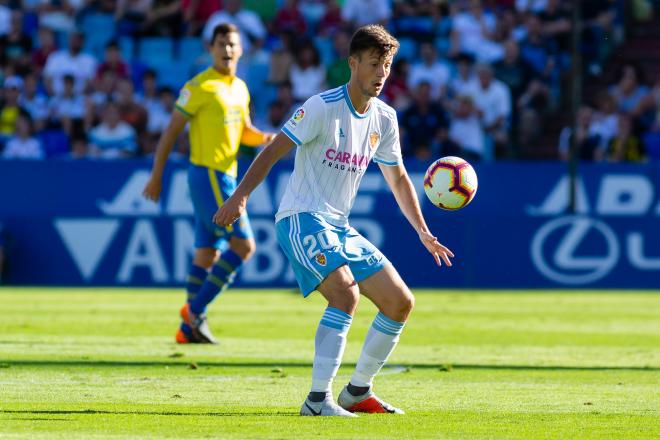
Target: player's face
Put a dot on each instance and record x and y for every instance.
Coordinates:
(226, 50)
(371, 71)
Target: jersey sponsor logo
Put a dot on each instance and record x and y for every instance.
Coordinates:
(320, 259)
(347, 158)
(233, 116)
(373, 139)
(184, 97)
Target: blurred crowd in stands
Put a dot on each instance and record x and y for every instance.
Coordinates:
(475, 78)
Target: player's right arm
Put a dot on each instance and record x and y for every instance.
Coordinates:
(235, 206)
(303, 127)
(165, 144)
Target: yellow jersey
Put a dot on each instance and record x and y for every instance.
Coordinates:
(216, 106)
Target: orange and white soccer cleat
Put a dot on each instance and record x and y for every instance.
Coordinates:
(199, 326)
(365, 403)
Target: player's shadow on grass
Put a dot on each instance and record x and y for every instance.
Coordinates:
(285, 364)
(264, 413)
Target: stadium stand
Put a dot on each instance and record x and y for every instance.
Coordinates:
(526, 45)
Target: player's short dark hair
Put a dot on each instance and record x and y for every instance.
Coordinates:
(373, 37)
(223, 29)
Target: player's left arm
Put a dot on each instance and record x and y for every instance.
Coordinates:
(252, 136)
(404, 192)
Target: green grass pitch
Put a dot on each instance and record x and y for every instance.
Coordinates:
(101, 363)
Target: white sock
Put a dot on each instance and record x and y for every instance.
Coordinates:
(329, 348)
(381, 339)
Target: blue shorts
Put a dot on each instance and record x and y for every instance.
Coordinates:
(208, 190)
(315, 248)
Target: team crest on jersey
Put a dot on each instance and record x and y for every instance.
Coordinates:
(373, 139)
(320, 258)
(184, 97)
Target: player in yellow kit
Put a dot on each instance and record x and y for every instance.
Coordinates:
(216, 103)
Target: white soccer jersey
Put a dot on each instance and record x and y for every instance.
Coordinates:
(335, 145)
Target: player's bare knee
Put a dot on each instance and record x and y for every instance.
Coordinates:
(345, 299)
(204, 257)
(244, 248)
(400, 307)
(341, 290)
(406, 304)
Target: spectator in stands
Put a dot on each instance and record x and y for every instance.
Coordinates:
(589, 147)
(149, 98)
(5, 18)
(361, 12)
(197, 12)
(533, 6)
(537, 50)
(71, 61)
(104, 90)
(58, 15)
(46, 46)
(23, 145)
(16, 46)
(556, 22)
(508, 26)
(113, 62)
(430, 70)
(34, 102)
(113, 138)
(513, 71)
(289, 18)
(159, 117)
(653, 103)
(466, 136)
(131, 112)
(307, 74)
(285, 96)
(338, 71)
(605, 120)
(278, 112)
(530, 95)
(79, 149)
(420, 20)
(423, 124)
(396, 92)
(465, 79)
(10, 107)
(165, 18)
(626, 146)
(493, 100)
(331, 20)
(598, 18)
(68, 108)
(281, 58)
(629, 91)
(473, 29)
(250, 26)
(131, 16)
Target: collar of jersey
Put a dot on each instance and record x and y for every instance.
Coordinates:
(350, 104)
(217, 75)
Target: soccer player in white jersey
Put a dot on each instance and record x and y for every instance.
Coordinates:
(338, 133)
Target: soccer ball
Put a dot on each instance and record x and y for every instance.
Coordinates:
(450, 183)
